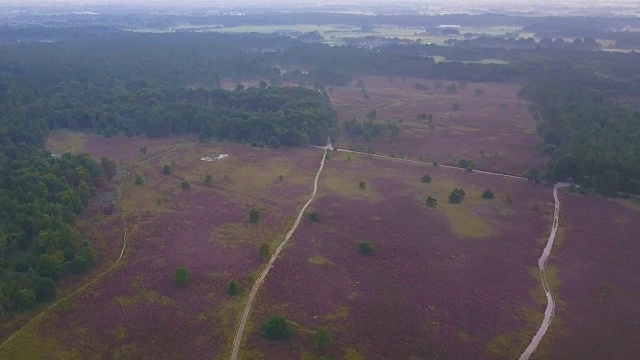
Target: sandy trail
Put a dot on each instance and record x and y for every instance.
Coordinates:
(542, 264)
(256, 286)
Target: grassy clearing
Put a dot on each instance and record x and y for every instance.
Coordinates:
(61, 141)
(31, 346)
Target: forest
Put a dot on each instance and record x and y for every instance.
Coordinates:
(129, 84)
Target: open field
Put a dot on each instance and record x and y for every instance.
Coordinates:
(451, 282)
(599, 313)
(494, 129)
(137, 311)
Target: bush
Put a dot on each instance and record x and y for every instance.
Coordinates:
(426, 179)
(166, 169)
(323, 338)
(138, 181)
(365, 248)
(208, 180)
(456, 196)
(362, 185)
(264, 251)
(254, 216)
(185, 185)
(276, 328)
(314, 217)
(273, 142)
(455, 107)
(488, 194)
(181, 276)
(233, 289)
(431, 202)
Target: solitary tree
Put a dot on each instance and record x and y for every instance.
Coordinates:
(254, 216)
(166, 169)
(138, 181)
(208, 180)
(323, 338)
(143, 150)
(264, 251)
(181, 276)
(456, 196)
(233, 289)
(426, 179)
(362, 185)
(365, 248)
(185, 185)
(431, 202)
(276, 328)
(455, 107)
(488, 194)
(314, 216)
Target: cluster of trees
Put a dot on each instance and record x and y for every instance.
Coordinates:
(40, 199)
(579, 43)
(590, 138)
(368, 129)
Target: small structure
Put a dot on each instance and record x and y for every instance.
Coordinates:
(214, 157)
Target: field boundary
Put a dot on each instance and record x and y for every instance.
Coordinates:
(256, 285)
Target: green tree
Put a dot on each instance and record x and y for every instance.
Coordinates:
(254, 216)
(362, 185)
(365, 248)
(426, 179)
(273, 142)
(488, 194)
(233, 289)
(50, 265)
(185, 185)
(314, 217)
(110, 167)
(208, 180)
(431, 202)
(456, 196)
(323, 338)
(139, 181)
(181, 276)
(264, 251)
(166, 169)
(25, 299)
(276, 328)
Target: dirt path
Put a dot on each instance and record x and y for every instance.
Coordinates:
(256, 286)
(99, 276)
(542, 264)
(442, 166)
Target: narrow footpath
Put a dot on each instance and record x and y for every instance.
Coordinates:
(542, 264)
(256, 285)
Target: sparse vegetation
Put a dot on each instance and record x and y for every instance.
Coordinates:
(264, 251)
(323, 338)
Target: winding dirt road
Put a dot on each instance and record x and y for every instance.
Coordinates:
(542, 264)
(256, 285)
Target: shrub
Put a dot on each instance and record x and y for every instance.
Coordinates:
(166, 169)
(488, 194)
(185, 185)
(254, 216)
(181, 276)
(233, 289)
(276, 328)
(362, 185)
(139, 181)
(431, 202)
(455, 107)
(208, 180)
(143, 150)
(314, 217)
(456, 196)
(426, 179)
(323, 338)
(264, 251)
(365, 247)
(273, 142)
